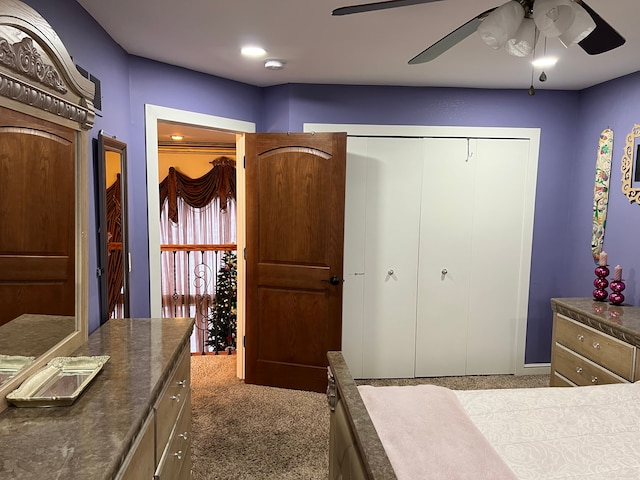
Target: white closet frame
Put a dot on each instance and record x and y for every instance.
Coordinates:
(418, 131)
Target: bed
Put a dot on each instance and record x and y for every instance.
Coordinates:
(516, 434)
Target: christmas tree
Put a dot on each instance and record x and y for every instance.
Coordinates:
(223, 316)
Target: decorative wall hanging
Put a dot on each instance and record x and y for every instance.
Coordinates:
(630, 173)
(601, 191)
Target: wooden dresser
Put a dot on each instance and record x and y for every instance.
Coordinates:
(594, 343)
(133, 422)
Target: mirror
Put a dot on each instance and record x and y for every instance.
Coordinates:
(631, 166)
(45, 114)
(111, 220)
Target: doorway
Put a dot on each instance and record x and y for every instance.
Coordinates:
(153, 116)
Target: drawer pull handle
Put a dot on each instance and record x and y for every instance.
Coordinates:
(175, 397)
(184, 435)
(578, 370)
(596, 345)
(581, 337)
(178, 454)
(182, 383)
(594, 380)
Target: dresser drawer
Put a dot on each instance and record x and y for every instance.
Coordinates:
(558, 380)
(176, 458)
(611, 353)
(173, 397)
(580, 370)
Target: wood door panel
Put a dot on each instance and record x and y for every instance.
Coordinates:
(292, 190)
(287, 319)
(44, 269)
(295, 187)
(37, 214)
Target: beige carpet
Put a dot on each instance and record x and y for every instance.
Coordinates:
(251, 432)
(263, 433)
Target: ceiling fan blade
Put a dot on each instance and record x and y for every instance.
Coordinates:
(370, 7)
(450, 40)
(603, 38)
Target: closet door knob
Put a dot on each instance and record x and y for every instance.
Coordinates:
(444, 271)
(390, 272)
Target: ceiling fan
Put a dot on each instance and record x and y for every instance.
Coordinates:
(516, 26)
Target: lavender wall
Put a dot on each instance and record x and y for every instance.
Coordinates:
(614, 105)
(569, 121)
(554, 112)
(92, 49)
(168, 86)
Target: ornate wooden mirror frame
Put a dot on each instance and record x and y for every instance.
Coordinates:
(630, 166)
(38, 80)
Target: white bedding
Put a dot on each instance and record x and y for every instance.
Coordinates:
(580, 433)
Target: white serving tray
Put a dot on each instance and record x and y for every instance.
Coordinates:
(59, 383)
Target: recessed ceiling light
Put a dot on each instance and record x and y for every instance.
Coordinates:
(544, 62)
(176, 138)
(253, 51)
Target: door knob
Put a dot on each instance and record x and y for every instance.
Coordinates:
(333, 280)
(444, 271)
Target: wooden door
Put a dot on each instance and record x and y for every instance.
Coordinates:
(295, 187)
(37, 217)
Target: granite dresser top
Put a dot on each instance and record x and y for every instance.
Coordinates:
(620, 321)
(90, 439)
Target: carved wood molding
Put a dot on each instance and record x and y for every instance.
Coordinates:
(22, 92)
(24, 58)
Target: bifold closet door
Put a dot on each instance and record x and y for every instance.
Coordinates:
(384, 177)
(471, 245)
(444, 256)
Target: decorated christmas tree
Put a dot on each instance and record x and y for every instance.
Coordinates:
(223, 316)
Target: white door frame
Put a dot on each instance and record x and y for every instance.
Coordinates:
(153, 114)
(531, 134)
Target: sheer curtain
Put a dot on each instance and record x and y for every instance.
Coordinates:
(190, 267)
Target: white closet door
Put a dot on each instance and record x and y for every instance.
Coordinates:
(497, 255)
(354, 247)
(444, 257)
(467, 317)
(394, 178)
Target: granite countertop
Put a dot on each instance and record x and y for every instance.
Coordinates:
(620, 321)
(33, 335)
(89, 439)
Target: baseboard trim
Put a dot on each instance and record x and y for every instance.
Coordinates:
(534, 369)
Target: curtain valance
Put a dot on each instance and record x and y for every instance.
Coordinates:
(219, 182)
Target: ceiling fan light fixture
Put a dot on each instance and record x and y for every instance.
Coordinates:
(582, 26)
(554, 17)
(544, 62)
(501, 24)
(524, 40)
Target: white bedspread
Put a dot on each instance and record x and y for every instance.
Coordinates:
(582, 433)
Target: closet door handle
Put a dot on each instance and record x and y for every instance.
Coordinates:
(444, 272)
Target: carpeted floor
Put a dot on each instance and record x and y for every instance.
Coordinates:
(249, 432)
(252, 432)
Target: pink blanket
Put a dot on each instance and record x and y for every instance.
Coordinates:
(428, 435)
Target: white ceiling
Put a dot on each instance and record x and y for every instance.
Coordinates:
(370, 48)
